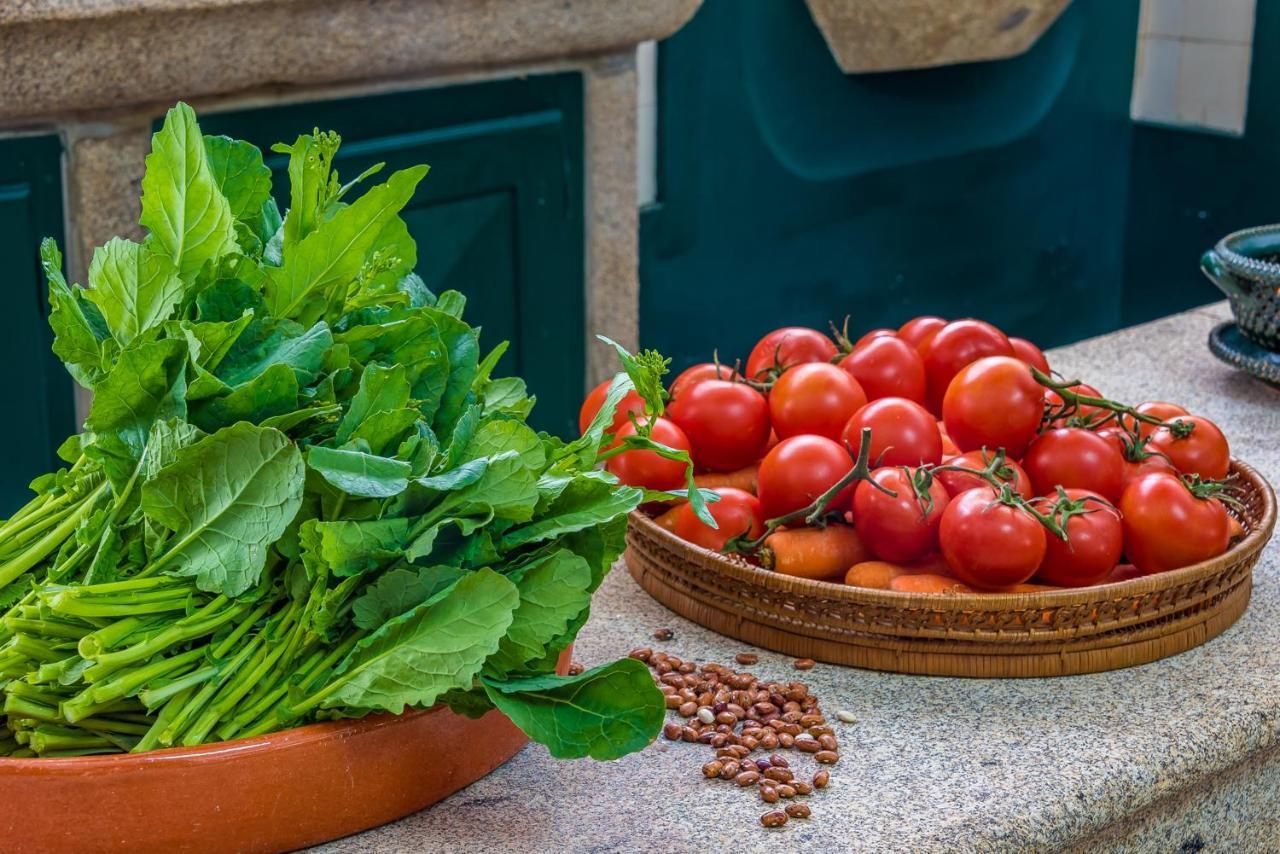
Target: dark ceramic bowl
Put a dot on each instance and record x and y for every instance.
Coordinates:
(1245, 265)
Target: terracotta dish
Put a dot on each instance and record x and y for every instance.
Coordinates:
(276, 792)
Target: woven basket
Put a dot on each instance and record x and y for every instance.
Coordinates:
(1052, 633)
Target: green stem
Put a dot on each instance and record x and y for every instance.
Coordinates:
(47, 544)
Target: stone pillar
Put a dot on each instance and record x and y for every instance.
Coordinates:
(104, 185)
(612, 221)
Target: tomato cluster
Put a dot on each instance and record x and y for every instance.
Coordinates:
(980, 470)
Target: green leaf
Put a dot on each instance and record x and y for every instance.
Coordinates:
(586, 448)
(508, 488)
(226, 498)
(436, 647)
(147, 383)
(604, 713)
(311, 183)
(495, 437)
(134, 287)
(553, 591)
(187, 215)
(271, 394)
(351, 548)
(330, 256)
(382, 431)
(211, 340)
(456, 478)
(240, 175)
(381, 388)
(399, 590)
(646, 370)
(303, 353)
(358, 473)
(508, 395)
(585, 503)
(165, 440)
(78, 326)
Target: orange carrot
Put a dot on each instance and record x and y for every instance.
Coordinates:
(667, 519)
(1234, 526)
(1025, 588)
(820, 553)
(926, 583)
(744, 479)
(873, 574)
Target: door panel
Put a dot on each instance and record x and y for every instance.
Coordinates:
(41, 409)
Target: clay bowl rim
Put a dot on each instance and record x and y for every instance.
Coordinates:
(285, 739)
(1252, 542)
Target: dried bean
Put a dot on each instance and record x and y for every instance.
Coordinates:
(664, 634)
(786, 790)
(768, 794)
(804, 663)
(712, 768)
(747, 778)
(671, 732)
(798, 810)
(641, 654)
(746, 658)
(777, 818)
(826, 757)
(821, 778)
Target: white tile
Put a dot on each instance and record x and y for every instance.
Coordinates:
(1213, 85)
(1161, 17)
(1155, 80)
(1218, 20)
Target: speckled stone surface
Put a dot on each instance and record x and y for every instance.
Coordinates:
(1145, 759)
(72, 57)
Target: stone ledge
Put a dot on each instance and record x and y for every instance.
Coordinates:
(83, 58)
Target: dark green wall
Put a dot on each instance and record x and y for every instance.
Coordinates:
(40, 412)
(1189, 188)
(792, 193)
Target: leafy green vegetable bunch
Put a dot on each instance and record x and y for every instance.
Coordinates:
(300, 491)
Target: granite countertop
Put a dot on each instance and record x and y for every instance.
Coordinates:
(1174, 755)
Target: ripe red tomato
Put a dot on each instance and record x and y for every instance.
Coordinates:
(1157, 408)
(897, 528)
(800, 469)
(887, 366)
(988, 544)
(1029, 353)
(949, 448)
(631, 402)
(791, 345)
(1073, 457)
(1095, 540)
(873, 334)
(1166, 527)
(727, 423)
(1205, 452)
(695, 374)
(919, 331)
(647, 468)
(737, 513)
(993, 403)
(903, 433)
(957, 344)
(817, 398)
(1084, 413)
(957, 482)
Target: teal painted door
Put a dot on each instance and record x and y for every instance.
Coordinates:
(40, 413)
(499, 217)
(791, 193)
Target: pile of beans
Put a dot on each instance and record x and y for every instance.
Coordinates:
(738, 715)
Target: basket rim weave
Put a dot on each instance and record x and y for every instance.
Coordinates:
(747, 573)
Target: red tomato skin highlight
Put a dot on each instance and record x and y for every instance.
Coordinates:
(1029, 353)
(895, 528)
(919, 331)
(903, 433)
(957, 344)
(737, 513)
(957, 482)
(993, 403)
(816, 398)
(1166, 527)
(887, 366)
(1095, 543)
(695, 374)
(989, 545)
(1074, 457)
(631, 402)
(1205, 452)
(800, 469)
(788, 346)
(647, 468)
(727, 423)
